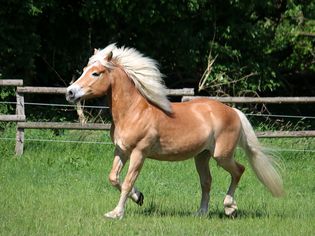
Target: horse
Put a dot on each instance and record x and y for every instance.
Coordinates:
(145, 124)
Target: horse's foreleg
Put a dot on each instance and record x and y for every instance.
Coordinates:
(136, 162)
(118, 164)
(202, 166)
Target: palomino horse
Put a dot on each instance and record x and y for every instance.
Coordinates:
(145, 124)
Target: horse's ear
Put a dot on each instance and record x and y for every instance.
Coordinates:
(95, 51)
(109, 56)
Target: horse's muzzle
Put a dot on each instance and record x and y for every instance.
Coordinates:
(74, 93)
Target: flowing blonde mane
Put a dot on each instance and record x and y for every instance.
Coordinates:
(142, 70)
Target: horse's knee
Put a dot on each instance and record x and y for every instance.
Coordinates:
(113, 179)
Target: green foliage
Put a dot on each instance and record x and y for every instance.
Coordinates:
(19, 40)
(262, 47)
(5, 95)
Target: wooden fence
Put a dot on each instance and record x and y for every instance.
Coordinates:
(20, 117)
(186, 94)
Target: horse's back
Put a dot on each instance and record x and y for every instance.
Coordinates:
(194, 127)
(212, 110)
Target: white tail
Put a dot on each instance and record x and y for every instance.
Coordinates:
(262, 163)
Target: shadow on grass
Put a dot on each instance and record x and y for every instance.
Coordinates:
(154, 209)
(241, 214)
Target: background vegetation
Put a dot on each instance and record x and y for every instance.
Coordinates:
(261, 47)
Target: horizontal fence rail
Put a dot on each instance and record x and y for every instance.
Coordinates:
(271, 100)
(285, 134)
(41, 90)
(54, 90)
(180, 92)
(13, 118)
(59, 125)
(11, 82)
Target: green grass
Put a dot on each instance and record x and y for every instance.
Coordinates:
(62, 189)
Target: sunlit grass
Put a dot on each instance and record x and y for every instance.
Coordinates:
(62, 189)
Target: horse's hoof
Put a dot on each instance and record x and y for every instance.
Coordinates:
(230, 212)
(230, 207)
(114, 215)
(140, 199)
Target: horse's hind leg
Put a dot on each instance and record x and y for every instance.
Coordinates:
(202, 166)
(236, 170)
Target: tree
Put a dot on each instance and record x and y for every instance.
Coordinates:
(19, 41)
(260, 46)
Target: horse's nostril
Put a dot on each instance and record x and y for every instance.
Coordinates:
(70, 93)
(74, 93)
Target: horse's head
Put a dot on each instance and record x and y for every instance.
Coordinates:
(94, 81)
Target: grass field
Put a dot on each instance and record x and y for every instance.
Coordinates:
(62, 189)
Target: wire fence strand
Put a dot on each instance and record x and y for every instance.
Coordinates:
(106, 107)
(55, 105)
(58, 141)
(110, 143)
(283, 116)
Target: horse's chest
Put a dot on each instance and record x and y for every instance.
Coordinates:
(125, 140)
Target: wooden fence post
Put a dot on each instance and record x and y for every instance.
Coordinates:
(20, 110)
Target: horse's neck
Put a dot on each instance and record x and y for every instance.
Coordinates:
(125, 99)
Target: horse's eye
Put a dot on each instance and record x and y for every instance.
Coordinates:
(95, 74)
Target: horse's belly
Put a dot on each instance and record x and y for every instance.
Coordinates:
(170, 158)
(183, 147)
